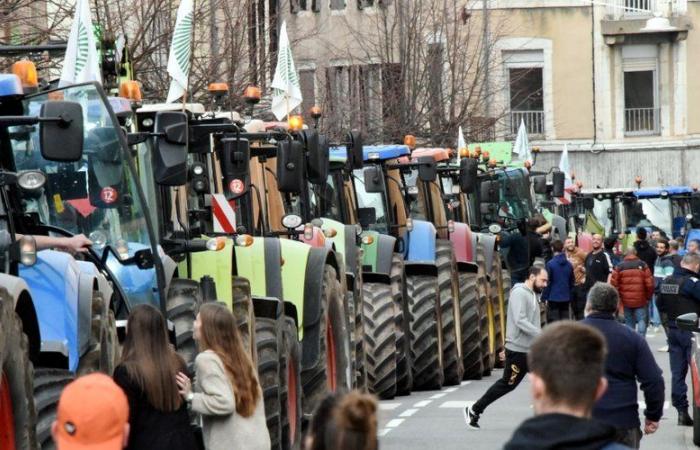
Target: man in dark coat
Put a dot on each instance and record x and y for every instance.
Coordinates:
(561, 282)
(629, 361)
(645, 251)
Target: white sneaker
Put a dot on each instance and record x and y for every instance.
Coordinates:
(664, 349)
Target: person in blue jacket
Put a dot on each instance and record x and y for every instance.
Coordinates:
(561, 282)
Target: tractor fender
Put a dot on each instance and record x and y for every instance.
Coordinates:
(461, 239)
(421, 243)
(24, 307)
(169, 267)
(102, 284)
(87, 283)
(261, 263)
(138, 284)
(488, 244)
(55, 279)
(378, 255)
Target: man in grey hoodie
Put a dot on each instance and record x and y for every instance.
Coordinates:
(522, 327)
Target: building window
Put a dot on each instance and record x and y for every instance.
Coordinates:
(307, 82)
(526, 100)
(364, 3)
(298, 5)
(641, 111)
(353, 98)
(636, 7)
(337, 4)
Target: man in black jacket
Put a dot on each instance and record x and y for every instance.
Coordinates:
(629, 360)
(644, 250)
(566, 372)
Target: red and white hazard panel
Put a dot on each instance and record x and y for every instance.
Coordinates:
(224, 216)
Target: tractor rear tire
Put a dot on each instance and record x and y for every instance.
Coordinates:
(103, 346)
(268, 346)
(380, 338)
(48, 385)
(426, 331)
(451, 314)
(330, 373)
(290, 386)
(470, 315)
(16, 373)
(487, 327)
(356, 328)
(404, 372)
(244, 314)
(184, 298)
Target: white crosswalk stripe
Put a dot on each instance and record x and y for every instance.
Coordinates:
(457, 404)
(388, 406)
(394, 423)
(440, 395)
(408, 412)
(422, 403)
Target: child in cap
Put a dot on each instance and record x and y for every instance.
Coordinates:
(93, 414)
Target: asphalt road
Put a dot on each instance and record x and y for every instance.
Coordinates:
(433, 419)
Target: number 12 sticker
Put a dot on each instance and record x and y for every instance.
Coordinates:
(109, 195)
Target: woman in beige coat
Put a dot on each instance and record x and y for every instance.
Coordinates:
(227, 393)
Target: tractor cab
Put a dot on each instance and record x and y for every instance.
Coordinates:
(504, 197)
(671, 209)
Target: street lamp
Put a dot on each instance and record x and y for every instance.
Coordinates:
(656, 24)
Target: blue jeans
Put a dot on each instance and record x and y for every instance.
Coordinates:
(654, 316)
(679, 348)
(636, 318)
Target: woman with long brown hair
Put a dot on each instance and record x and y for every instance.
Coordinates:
(157, 414)
(227, 393)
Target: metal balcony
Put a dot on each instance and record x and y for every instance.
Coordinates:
(534, 122)
(641, 121)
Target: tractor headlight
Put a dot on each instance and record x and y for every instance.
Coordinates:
(31, 180)
(291, 221)
(216, 244)
(27, 251)
(244, 240)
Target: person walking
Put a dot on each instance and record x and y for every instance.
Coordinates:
(149, 364)
(645, 251)
(609, 245)
(635, 284)
(560, 273)
(522, 326)
(629, 362)
(663, 267)
(577, 258)
(227, 393)
(566, 363)
(92, 412)
(680, 294)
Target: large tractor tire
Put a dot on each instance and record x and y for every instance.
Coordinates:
(426, 331)
(103, 347)
(48, 385)
(404, 373)
(357, 329)
(499, 307)
(330, 373)
(380, 338)
(17, 413)
(450, 309)
(267, 340)
(244, 313)
(290, 386)
(184, 298)
(471, 323)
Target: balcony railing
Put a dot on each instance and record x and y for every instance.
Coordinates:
(630, 9)
(534, 122)
(641, 121)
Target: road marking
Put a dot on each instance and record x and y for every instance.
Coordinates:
(457, 404)
(389, 406)
(394, 423)
(383, 432)
(464, 383)
(452, 389)
(643, 405)
(440, 395)
(408, 412)
(422, 403)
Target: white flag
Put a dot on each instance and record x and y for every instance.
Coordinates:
(180, 51)
(522, 143)
(81, 64)
(564, 166)
(461, 142)
(286, 93)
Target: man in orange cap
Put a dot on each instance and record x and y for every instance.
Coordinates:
(93, 413)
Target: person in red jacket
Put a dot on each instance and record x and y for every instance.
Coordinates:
(635, 284)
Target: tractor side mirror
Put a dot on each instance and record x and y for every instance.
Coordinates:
(558, 183)
(373, 180)
(489, 192)
(427, 171)
(170, 155)
(539, 184)
(290, 160)
(235, 166)
(355, 150)
(468, 172)
(588, 203)
(61, 139)
(318, 158)
(688, 322)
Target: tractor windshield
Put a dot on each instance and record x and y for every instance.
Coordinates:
(97, 195)
(515, 195)
(416, 195)
(603, 213)
(371, 207)
(653, 213)
(325, 199)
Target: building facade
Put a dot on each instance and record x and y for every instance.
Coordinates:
(617, 88)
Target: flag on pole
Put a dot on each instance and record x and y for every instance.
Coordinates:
(180, 51)
(522, 143)
(286, 92)
(81, 63)
(564, 166)
(461, 142)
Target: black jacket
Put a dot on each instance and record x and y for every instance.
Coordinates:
(645, 253)
(629, 360)
(151, 429)
(562, 431)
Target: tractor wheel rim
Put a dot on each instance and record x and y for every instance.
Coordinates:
(7, 417)
(330, 355)
(292, 399)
